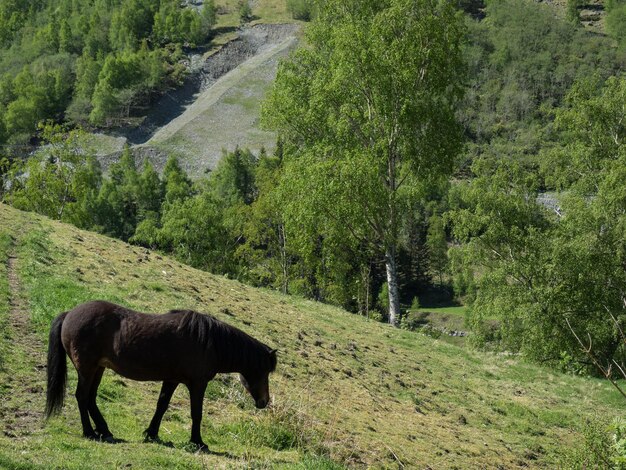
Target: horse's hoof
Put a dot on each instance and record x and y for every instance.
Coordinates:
(91, 436)
(108, 439)
(200, 447)
(150, 438)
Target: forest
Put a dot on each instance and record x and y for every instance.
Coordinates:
(90, 62)
(497, 180)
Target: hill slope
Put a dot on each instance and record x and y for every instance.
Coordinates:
(217, 109)
(357, 392)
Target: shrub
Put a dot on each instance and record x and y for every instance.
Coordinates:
(383, 299)
(300, 9)
(411, 321)
(603, 446)
(245, 11)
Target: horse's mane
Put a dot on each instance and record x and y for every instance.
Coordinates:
(230, 343)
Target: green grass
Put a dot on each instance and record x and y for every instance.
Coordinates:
(458, 310)
(347, 391)
(263, 11)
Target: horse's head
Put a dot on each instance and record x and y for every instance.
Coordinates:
(256, 382)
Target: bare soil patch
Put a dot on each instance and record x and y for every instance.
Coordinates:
(26, 357)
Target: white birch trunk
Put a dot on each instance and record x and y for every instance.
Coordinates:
(392, 283)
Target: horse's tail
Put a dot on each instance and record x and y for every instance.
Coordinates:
(57, 368)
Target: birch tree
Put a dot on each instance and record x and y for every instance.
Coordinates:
(366, 108)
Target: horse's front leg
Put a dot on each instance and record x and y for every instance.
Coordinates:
(167, 390)
(196, 397)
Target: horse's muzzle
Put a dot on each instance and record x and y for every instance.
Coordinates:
(260, 404)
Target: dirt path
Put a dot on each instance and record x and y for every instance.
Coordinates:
(18, 314)
(24, 366)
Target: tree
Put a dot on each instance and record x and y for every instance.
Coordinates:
(573, 14)
(233, 179)
(245, 11)
(265, 253)
(118, 199)
(47, 183)
(437, 246)
(208, 15)
(150, 191)
(556, 277)
(65, 37)
(616, 20)
(367, 112)
(192, 230)
(177, 185)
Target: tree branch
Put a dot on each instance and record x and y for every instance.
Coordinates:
(587, 350)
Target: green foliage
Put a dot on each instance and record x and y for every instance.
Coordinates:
(245, 11)
(193, 231)
(90, 61)
(359, 146)
(359, 175)
(233, 178)
(616, 20)
(177, 185)
(209, 15)
(573, 10)
(173, 24)
(265, 255)
(131, 22)
(437, 244)
(522, 61)
(603, 446)
(550, 276)
(411, 321)
(121, 80)
(54, 178)
(383, 298)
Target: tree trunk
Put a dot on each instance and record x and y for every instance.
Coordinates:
(392, 283)
(282, 243)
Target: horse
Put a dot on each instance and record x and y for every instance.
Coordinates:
(181, 346)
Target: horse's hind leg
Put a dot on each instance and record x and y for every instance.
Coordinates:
(101, 426)
(167, 390)
(85, 379)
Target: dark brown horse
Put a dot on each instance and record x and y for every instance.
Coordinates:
(177, 347)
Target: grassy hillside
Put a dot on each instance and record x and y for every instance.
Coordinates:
(263, 11)
(348, 391)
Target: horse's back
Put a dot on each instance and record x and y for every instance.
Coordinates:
(137, 345)
(96, 315)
